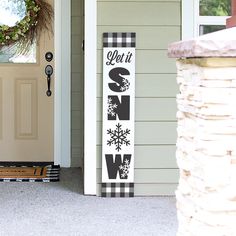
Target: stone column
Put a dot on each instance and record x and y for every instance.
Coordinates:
(206, 144)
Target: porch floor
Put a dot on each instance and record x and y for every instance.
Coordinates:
(60, 209)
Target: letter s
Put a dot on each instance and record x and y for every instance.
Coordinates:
(115, 75)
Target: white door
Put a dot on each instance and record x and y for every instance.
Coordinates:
(26, 112)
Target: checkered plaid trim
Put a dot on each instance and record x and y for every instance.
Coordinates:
(117, 189)
(123, 40)
(53, 175)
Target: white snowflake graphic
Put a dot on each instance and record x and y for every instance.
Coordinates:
(111, 107)
(126, 85)
(118, 137)
(125, 169)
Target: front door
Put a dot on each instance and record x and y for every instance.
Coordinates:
(26, 112)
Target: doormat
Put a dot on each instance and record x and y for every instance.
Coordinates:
(16, 172)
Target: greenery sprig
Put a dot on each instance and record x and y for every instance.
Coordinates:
(38, 17)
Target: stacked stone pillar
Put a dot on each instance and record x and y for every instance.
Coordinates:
(206, 143)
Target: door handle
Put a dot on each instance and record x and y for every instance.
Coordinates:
(49, 72)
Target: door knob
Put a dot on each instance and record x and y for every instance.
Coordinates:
(49, 72)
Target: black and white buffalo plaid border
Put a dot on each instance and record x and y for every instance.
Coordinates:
(53, 174)
(117, 189)
(123, 40)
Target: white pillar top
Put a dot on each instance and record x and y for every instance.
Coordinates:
(217, 44)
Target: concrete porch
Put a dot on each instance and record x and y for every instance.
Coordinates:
(61, 209)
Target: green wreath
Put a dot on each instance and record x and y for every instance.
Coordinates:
(38, 17)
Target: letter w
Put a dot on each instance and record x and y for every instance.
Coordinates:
(118, 166)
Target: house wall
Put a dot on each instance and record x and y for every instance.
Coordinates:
(77, 83)
(156, 23)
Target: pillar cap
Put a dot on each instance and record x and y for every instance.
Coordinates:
(217, 44)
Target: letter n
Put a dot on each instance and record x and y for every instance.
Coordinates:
(120, 109)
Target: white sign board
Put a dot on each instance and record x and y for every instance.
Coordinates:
(118, 114)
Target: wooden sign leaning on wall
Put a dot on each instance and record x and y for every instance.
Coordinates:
(118, 114)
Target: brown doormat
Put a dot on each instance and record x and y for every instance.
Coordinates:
(17, 173)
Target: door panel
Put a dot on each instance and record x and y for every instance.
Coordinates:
(26, 107)
(26, 112)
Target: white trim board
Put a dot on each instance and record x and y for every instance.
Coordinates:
(62, 113)
(188, 19)
(62, 107)
(90, 91)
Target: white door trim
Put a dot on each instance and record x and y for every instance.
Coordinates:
(90, 94)
(62, 107)
(62, 112)
(188, 19)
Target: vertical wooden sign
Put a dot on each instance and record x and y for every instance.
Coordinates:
(118, 114)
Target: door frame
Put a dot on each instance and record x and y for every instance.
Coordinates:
(62, 102)
(90, 97)
(62, 110)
